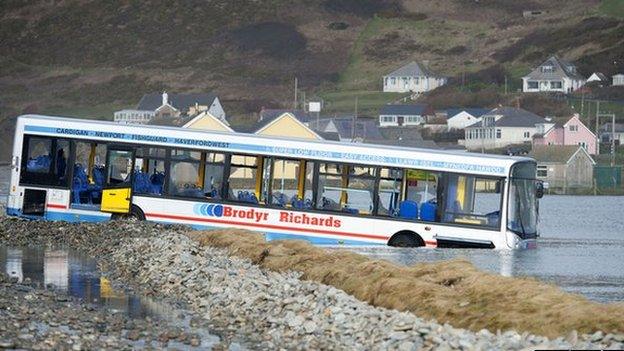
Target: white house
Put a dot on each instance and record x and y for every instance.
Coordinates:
(597, 77)
(413, 77)
(553, 75)
(460, 118)
(129, 116)
(618, 79)
(404, 115)
(504, 126)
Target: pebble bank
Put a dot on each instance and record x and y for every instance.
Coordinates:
(261, 309)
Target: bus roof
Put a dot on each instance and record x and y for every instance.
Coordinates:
(359, 153)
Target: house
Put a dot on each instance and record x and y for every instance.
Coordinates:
(573, 132)
(167, 105)
(283, 123)
(130, 116)
(553, 75)
(618, 80)
(608, 132)
(206, 121)
(597, 77)
(503, 126)
(404, 115)
(564, 166)
(460, 118)
(413, 77)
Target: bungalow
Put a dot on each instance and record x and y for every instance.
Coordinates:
(404, 115)
(564, 166)
(553, 75)
(413, 77)
(460, 118)
(573, 132)
(502, 127)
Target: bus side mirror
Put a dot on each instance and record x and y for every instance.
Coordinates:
(539, 189)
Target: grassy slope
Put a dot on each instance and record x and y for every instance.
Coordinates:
(613, 8)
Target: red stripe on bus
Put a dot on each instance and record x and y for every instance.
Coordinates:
(57, 206)
(434, 243)
(270, 226)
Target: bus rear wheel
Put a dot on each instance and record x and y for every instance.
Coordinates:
(406, 239)
(135, 214)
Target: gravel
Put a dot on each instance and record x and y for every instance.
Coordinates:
(258, 309)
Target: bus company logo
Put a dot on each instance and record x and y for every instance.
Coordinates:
(210, 210)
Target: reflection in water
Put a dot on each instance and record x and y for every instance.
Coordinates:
(76, 275)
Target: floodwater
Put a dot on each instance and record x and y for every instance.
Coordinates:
(581, 247)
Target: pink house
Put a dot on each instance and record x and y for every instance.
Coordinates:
(573, 132)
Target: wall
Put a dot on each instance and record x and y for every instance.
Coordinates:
(582, 134)
(208, 122)
(287, 126)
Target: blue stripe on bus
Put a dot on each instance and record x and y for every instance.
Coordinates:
(73, 217)
(294, 152)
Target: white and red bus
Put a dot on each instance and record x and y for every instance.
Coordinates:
(325, 192)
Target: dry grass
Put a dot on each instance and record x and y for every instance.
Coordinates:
(453, 291)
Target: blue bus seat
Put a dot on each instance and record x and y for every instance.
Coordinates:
(428, 211)
(408, 209)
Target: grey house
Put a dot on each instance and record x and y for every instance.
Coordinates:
(564, 166)
(553, 75)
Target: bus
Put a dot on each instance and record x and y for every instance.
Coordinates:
(329, 193)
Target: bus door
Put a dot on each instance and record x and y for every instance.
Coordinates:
(117, 191)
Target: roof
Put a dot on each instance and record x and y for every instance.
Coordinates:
(328, 135)
(405, 136)
(404, 110)
(473, 111)
(413, 69)
(269, 115)
(555, 153)
(598, 75)
(181, 102)
(327, 151)
(171, 122)
(512, 117)
(562, 68)
(365, 128)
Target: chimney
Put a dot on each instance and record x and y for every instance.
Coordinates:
(165, 98)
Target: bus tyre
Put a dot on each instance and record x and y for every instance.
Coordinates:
(135, 214)
(406, 239)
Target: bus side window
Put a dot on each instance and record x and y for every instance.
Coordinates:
(421, 195)
(244, 183)
(346, 188)
(45, 161)
(149, 171)
(389, 191)
(285, 183)
(184, 174)
(472, 200)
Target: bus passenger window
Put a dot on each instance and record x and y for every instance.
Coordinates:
(184, 174)
(389, 193)
(473, 201)
(39, 155)
(346, 188)
(285, 182)
(244, 184)
(213, 175)
(420, 195)
(149, 171)
(88, 173)
(60, 167)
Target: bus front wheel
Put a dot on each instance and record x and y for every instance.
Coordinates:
(406, 239)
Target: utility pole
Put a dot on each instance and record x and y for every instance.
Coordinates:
(295, 105)
(505, 84)
(354, 119)
(582, 103)
(597, 118)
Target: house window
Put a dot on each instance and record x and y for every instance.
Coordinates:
(573, 128)
(393, 80)
(405, 81)
(417, 80)
(532, 84)
(388, 119)
(498, 133)
(413, 119)
(555, 85)
(527, 135)
(548, 69)
(542, 171)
